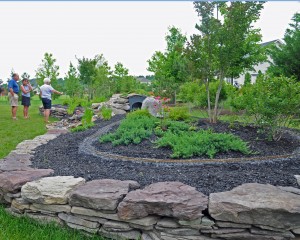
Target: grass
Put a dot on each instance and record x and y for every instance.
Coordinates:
(12, 133)
(23, 228)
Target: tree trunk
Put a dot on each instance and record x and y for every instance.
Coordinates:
(208, 100)
(215, 113)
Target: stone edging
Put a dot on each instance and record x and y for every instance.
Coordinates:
(161, 211)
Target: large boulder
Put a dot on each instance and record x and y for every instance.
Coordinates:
(102, 194)
(257, 204)
(170, 199)
(13, 181)
(50, 190)
(153, 105)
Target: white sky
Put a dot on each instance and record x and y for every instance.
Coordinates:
(128, 32)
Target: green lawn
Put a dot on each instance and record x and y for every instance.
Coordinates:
(14, 228)
(12, 133)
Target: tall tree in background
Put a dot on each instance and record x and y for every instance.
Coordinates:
(226, 48)
(94, 75)
(123, 82)
(169, 67)
(87, 73)
(48, 69)
(286, 57)
(102, 83)
(73, 87)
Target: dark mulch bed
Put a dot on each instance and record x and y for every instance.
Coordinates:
(62, 155)
(257, 142)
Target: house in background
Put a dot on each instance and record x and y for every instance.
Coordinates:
(143, 80)
(260, 67)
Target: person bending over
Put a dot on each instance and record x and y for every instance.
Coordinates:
(45, 92)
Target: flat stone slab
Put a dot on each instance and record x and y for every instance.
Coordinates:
(78, 221)
(257, 204)
(170, 199)
(50, 190)
(15, 162)
(104, 194)
(13, 181)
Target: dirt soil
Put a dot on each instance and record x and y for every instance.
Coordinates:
(61, 154)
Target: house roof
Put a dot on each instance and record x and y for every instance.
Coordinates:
(143, 80)
(278, 41)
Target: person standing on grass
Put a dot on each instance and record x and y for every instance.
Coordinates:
(45, 92)
(26, 89)
(13, 91)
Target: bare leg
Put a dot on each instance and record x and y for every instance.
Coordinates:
(14, 112)
(46, 115)
(25, 111)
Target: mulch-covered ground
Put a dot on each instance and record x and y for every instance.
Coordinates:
(257, 142)
(62, 155)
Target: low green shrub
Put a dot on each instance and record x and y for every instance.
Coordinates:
(106, 113)
(182, 138)
(273, 102)
(203, 143)
(139, 112)
(82, 127)
(100, 99)
(179, 113)
(133, 129)
(87, 116)
(86, 121)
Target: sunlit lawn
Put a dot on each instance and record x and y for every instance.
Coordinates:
(14, 132)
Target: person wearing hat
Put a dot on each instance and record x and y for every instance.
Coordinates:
(13, 91)
(45, 92)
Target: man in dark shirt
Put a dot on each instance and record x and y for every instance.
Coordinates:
(13, 90)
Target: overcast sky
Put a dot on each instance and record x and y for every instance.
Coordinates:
(127, 32)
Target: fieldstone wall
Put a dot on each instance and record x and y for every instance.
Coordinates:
(161, 211)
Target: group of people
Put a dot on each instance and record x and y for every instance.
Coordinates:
(46, 91)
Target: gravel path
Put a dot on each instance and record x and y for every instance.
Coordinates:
(69, 154)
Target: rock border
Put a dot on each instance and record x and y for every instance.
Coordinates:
(161, 211)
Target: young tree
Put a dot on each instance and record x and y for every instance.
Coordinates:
(225, 48)
(94, 75)
(48, 69)
(170, 67)
(286, 57)
(103, 83)
(73, 88)
(247, 79)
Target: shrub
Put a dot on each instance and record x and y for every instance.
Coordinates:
(106, 113)
(179, 113)
(139, 112)
(100, 99)
(82, 127)
(133, 129)
(273, 101)
(203, 143)
(247, 79)
(196, 93)
(87, 116)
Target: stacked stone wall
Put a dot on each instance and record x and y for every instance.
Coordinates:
(161, 211)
